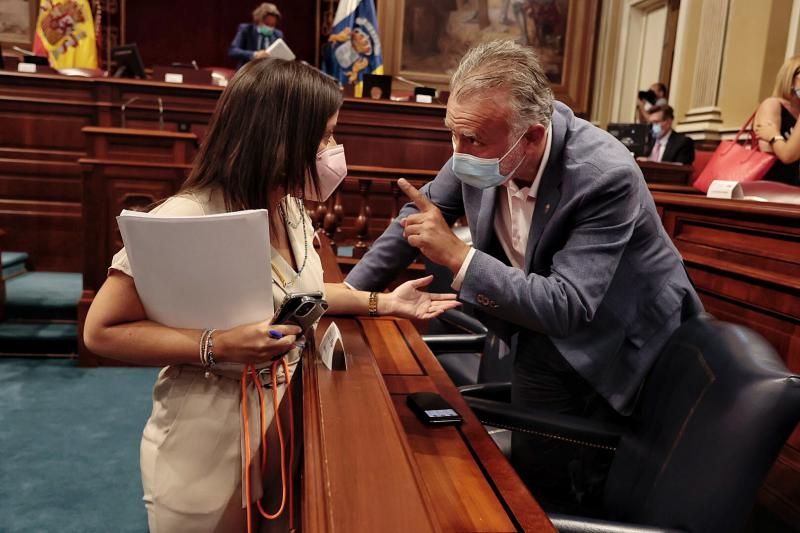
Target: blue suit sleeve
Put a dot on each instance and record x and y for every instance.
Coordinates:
(391, 254)
(236, 49)
(581, 272)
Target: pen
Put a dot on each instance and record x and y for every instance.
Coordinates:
(275, 334)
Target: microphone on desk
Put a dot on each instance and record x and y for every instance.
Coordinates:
(160, 111)
(410, 82)
(422, 93)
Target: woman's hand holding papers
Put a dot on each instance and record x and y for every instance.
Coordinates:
(252, 343)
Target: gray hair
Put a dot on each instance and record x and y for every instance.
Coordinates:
(509, 66)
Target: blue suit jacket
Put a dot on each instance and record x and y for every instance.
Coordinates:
(245, 43)
(601, 278)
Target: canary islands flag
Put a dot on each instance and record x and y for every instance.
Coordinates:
(354, 47)
(65, 33)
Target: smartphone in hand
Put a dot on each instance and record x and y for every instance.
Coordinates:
(301, 309)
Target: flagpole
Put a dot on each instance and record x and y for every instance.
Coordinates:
(108, 36)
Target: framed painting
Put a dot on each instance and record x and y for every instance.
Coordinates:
(425, 39)
(17, 23)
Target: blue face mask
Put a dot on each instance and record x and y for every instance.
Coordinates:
(480, 172)
(264, 30)
(656, 129)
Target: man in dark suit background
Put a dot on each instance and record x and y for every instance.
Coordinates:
(253, 39)
(668, 146)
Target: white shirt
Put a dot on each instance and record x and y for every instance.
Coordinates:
(513, 217)
(661, 144)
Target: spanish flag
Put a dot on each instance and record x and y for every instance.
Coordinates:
(65, 33)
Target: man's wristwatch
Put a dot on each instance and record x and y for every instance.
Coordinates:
(776, 138)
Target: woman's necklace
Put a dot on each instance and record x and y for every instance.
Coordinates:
(294, 225)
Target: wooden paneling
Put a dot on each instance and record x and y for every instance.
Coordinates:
(124, 169)
(744, 258)
(394, 134)
(43, 229)
(46, 113)
(203, 29)
(655, 172)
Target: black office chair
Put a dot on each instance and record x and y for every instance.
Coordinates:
(465, 348)
(713, 414)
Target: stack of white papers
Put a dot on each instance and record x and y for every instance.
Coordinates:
(281, 50)
(201, 272)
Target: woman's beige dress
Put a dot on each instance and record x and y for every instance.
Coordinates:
(192, 446)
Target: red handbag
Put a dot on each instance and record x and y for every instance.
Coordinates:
(736, 162)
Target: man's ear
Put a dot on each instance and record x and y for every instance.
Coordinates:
(535, 134)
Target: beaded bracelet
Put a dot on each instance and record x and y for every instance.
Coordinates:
(210, 361)
(203, 347)
(207, 349)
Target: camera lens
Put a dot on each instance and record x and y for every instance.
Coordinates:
(304, 309)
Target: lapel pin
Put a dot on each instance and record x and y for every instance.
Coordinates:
(546, 208)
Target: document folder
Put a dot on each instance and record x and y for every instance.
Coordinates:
(281, 50)
(201, 272)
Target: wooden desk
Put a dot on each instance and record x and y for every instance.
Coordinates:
(370, 465)
(668, 173)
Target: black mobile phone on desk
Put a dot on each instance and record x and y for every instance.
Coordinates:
(432, 409)
(301, 309)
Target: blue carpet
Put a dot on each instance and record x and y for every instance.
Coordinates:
(70, 441)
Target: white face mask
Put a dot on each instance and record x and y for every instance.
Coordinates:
(332, 169)
(483, 173)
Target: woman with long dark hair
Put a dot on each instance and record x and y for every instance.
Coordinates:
(269, 146)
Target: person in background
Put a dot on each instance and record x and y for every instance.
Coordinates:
(253, 39)
(667, 146)
(656, 95)
(195, 473)
(775, 124)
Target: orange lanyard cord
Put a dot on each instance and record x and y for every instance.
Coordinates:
(263, 411)
(246, 424)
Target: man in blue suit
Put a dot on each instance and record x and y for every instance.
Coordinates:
(570, 264)
(253, 39)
